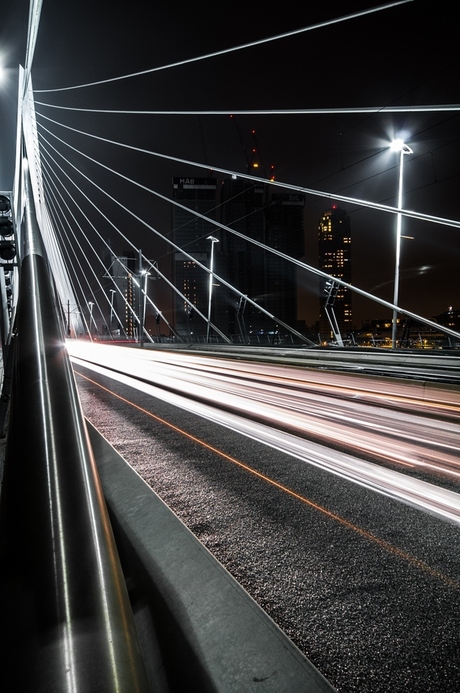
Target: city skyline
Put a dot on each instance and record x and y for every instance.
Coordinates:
(347, 154)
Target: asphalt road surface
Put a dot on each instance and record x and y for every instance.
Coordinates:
(366, 585)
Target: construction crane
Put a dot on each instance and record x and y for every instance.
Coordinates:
(253, 161)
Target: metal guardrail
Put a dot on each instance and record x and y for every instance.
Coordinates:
(66, 620)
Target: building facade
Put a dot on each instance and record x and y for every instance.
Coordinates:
(258, 212)
(274, 219)
(334, 245)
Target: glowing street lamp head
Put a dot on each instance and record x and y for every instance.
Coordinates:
(399, 146)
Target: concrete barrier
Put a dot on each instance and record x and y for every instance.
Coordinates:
(198, 628)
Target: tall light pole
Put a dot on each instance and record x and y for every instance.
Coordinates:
(68, 318)
(145, 274)
(112, 292)
(211, 277)
(90, 306)
(398, 146)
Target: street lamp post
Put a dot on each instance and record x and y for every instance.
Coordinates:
(398, 146)
(68, 319)
(211, 270)
(145, 274)
(90, 305)
(112, 293)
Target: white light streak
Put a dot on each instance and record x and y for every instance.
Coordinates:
(402, 438)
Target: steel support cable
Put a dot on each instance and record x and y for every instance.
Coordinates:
(94, 229)
(182, 296)
(116, 143)
(434, 108)
(128, 306)
(68, 266)
(65, 613)
(188, 61)
(414, 158)
(54, 249)
(451, 107)
(193, 259)
(60, 215)
(299, 263)
(151, 266)
(28, 124)
(53, 202)
(49, 179)
(73, 279)
(380, 173)
(296, 188)
(55, 122)
(52, 193)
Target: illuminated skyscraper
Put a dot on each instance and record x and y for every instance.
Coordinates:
(335, 259)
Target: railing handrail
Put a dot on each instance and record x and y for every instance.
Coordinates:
(65, 612)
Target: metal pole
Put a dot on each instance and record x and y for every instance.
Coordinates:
(90, 305)
(403, 149)
(398, 252)
(143, 309)
(211, 277)
(112, 292)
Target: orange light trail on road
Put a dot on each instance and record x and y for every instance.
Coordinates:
(415, 562)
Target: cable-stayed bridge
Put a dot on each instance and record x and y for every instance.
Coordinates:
(93, 194)
(53, 590)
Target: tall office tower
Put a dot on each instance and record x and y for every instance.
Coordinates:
(335, 259)
(191, 233)
(276, 220)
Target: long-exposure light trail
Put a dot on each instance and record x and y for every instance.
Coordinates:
(284, 430)
(427, 442)
(385, 545)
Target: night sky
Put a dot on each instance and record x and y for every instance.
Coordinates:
(405, 55)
